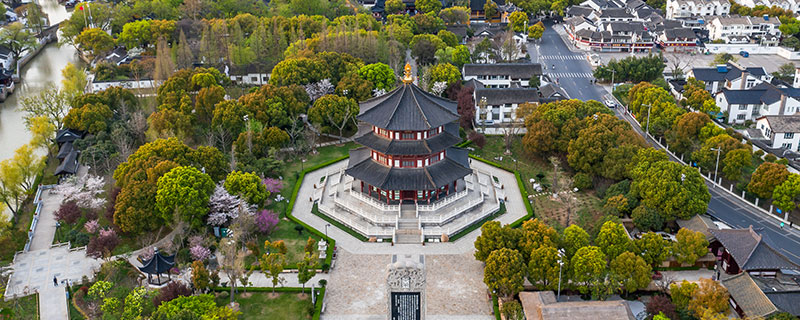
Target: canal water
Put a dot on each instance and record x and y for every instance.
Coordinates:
(44, 69)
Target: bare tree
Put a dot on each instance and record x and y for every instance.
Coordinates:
(507, 46)
(511, 130)
(679, 63)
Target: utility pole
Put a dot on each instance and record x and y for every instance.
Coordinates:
(561, 255)
(613, 72)
(647, 133)
(716, 167)
(482, 107)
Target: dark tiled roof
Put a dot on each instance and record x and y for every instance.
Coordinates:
(408, 108)
(499, 96)
(783, 124)
(453, 167)
(69, 165)
(435, 144)
(67, 135)
(615, 13)
(478, 4)
(473, 83)
(579, 11)
(786, 301)
(65, 149)
(491, 29)
(550, 91)
(750, 251)
(698, 223)
(748, 296)
(458, 29)
(158, 264)
(513, 70)
(682, 33)
(751, 96)
(711, 74)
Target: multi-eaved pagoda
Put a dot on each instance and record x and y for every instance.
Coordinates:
(408, 153)
(408, 183)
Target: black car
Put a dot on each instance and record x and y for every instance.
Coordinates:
(70, 4)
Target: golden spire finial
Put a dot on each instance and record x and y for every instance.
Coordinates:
(408, 78)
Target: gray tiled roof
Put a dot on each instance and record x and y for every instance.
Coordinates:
(786, 301)
(615, 13)
(453, 167)
(750, 251)
(750, 96)
(579, 11)
(783, 124)
(69, 165)
(748, 296)
(408, 107)
(499, 96)
(550, 91)
(432, 145)
(706, 74)
(698, 223)
(680, 33)
(513, 70)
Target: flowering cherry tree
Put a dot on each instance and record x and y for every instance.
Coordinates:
(199, 252)
(84, 191)
(266, 220)
(91, 226)
(318, 89)
(224, 207)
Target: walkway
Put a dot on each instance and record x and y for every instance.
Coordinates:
(33, 271)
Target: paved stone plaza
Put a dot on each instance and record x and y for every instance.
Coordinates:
(357, 287)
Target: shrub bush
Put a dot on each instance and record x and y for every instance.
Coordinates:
(478, 139)
(173, 290)
(582, 181)
(68, 212)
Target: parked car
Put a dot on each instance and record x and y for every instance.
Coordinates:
(667, 236)
(744, 54)
(610, 103)
(70, 4)
(657, 275)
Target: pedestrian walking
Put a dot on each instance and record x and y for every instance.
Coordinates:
(55, 281)
(781, 225)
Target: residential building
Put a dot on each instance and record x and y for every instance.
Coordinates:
(681, 9)
(783, 4)
(500, 105)
(722, 27)
(746, 297)
(503, 75)
(603, 4)
(678, 40)
(615, 15)
(744, 250)
(542, 305)
(763, 99)
(609, 36)
(729, 75)
(780, 132)
(6, 59)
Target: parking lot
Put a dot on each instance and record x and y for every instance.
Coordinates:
(770, 62)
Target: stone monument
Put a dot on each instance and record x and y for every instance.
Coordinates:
(406, 285)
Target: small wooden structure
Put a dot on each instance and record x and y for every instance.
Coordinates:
(157, 265)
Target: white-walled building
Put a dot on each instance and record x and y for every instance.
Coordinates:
(761, 100)
(501, 104)
(722, 27)
(503, 75)
(731, 76)
(781, 132)
(678, 9)
(783, 4)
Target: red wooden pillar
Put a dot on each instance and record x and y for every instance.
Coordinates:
(362, 186)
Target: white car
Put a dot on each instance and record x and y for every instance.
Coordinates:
(610, 103)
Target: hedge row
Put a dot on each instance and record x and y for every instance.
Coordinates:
(522, 189)
(496, 307)
(317, 306)
(293, 199)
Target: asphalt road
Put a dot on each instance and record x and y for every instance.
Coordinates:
(574, 72)
(570, 69)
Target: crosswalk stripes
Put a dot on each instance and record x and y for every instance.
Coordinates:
(571, 75)
(562, 57)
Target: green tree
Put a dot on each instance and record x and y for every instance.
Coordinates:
(711, 296)
(16, 177)
(273, 262)
(379, 74)
(647, 218)
(535, 234)
(536, 31)
(49, 102)
(445, 72)
(494, 237)
(17, 39)
(333, 111)
(723, 58)
(588, 266)
(136, 34)
(786, 193)
(574, 238)
(201, 278)
(785, 72)
(449, 38)
(307, 268)
(184, 191)
(735, 162)
(394, 6)
(299, 71)
(767, 176)
(690, 246)
(678, 191)
(248, 186)
(97, 42)
(92, 118)
(197, 306)
(683, 136)
(426, 6)
(461, 56)
(424, 47)
(512, 310)
(682, 293)
(35, 18)
(653, 248)
(518, 20)
(613, 239)
(504, 272)
(453, 15)
(490, 9)
(543, 268)
(74, 81)
(630, 271)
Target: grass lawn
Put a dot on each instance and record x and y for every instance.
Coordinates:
(531, 166)
(295, 243)
(25, 308)
(260, 305)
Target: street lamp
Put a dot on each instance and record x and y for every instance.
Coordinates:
(561, 255)
(716, 167)
(613, 72)
(326, 231)
(482, 104)
(647, 132)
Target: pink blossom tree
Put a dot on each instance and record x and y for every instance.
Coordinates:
(274, 186)
(103, 244)
(266, 221)
(85, 191)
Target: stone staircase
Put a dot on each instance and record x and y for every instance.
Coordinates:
(408, 226)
